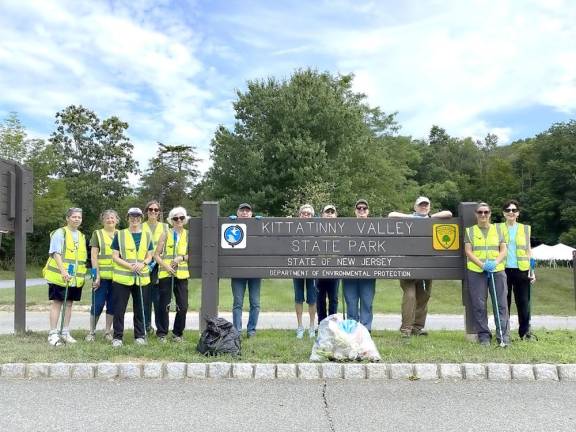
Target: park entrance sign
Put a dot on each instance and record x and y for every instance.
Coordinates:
(341, 248)
(16, 207)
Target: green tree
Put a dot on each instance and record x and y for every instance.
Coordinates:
(290, 135)
(94, 158)
(170, 176)
(12, 139)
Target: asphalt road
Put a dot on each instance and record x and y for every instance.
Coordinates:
(227, 405)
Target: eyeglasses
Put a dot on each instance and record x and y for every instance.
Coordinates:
(155, 210)
(482, 212)
(306, 214)
(134, 215)
(179, 218)
(424, 204)
(511, 210)
(330, 211)
(361, 208)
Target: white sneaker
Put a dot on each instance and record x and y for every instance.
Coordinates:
(162, 339)
(177, 339)
(90, 337)
(117, 343)
(312, 332)
(299, 332)
(53, 338)
(141, 341)
(67, 337)
(108, 336)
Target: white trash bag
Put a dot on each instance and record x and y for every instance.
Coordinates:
(342, 340)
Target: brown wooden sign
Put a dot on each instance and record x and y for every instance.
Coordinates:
(11, 174)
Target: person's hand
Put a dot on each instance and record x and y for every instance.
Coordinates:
(532, 277)
(137, 267)
(489, 265)
(96, 283)
(65, 275)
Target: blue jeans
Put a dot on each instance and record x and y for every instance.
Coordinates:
(311, 291)
(360, 291)
(327, 287)
(103, 296)
(238, 290)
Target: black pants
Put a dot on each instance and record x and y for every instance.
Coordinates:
(120, 296)
(519, 282)
(181, 295)
(327, 287)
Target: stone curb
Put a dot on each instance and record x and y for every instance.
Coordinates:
(501, 372)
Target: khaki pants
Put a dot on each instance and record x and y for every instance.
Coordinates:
(414, 304)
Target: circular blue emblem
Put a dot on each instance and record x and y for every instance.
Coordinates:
(233, 235)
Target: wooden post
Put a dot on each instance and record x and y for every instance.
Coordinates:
(574, 269)
(210, 281)
(20, 253)
(467, 218)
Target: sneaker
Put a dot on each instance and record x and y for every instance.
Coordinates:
(529, 337)
(67, 337)
(90, 337)
(141, 341)
(177, 339)
(162, 339)
(299, 332)
(405, 335)
(251, 334)
(484, 342)
(312, 333)
(117, 343)
(53, 338)
(419, 332)
(108, 336)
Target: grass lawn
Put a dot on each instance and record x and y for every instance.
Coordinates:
(31, 272)
(280, 346)
(553, 294)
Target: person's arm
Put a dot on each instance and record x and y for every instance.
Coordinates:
(94, 250)
(503, 252)
(158, 254)
(443, 214)
(398, 214)
(471, 256)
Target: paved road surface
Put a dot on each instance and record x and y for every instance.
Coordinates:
(333, 406)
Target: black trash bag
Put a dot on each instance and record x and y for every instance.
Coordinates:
(220, 337)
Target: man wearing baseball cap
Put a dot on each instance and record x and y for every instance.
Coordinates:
(417, 292)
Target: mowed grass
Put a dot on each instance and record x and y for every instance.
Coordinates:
(553, 294)
(280, 346)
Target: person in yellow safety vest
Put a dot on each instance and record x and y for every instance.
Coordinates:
(172, 257)
(486, 252)
(518, 275)
(66, 265)
(102, 265)
(131, 253)
(156, 228)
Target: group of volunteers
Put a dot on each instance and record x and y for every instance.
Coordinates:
(148, 261)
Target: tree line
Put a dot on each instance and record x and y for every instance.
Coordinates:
(307, 138)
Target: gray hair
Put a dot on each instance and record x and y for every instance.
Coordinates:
(108, 212)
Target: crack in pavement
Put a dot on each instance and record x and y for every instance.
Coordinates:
(327, 409)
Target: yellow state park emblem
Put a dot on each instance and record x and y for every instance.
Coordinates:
(445, 237)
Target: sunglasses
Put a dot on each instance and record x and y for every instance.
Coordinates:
(511, 210)
(179, 218)
(361, 208)
(154, 210)
(330, 211)
(482, 212)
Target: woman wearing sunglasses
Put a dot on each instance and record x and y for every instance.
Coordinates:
(485, 249)
(172, 258)
(156, 228)
(517, 238)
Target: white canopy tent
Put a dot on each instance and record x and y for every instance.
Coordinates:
(551, 254)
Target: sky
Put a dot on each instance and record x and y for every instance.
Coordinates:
(171, 68)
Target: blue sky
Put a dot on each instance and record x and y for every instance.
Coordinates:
(171, 68)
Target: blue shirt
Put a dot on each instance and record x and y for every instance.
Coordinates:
(511, 259)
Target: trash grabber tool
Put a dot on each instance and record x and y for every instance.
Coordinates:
(93, 320)
(142, 306)
(64, 304)
(343, 302)
(495, 308)
(173, 305)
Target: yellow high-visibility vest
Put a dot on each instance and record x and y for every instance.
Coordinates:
(105, 263)
(522, 244)
(485, 248)
(128, 252)
(159, 229)
(170, 252)
(74, 254)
